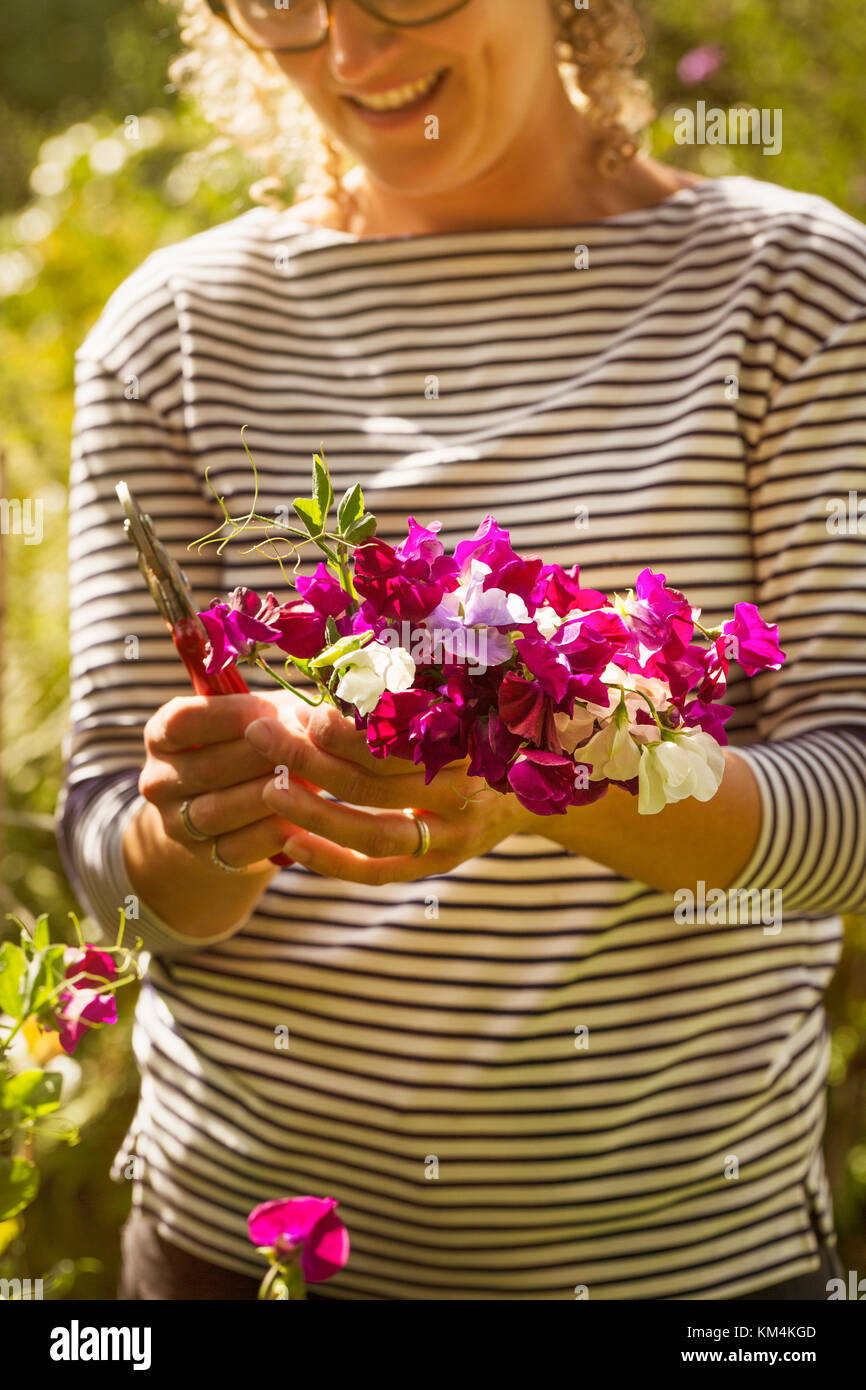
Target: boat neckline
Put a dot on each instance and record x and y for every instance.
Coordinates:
(689, 193)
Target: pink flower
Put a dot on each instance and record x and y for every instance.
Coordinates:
(751, 642)
(324, 592)
(700, 63)
(304, 1225)
(83, 1004)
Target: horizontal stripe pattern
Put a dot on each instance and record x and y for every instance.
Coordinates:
(528, 1075)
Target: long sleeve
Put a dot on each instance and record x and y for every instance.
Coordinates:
(807, 458)
(128, 425)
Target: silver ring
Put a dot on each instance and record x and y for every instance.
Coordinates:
(221, 863)
(423, 833)
(188, 825)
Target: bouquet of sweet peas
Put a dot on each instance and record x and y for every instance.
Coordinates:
(551, 691)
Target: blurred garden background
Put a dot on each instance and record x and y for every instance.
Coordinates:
(86, 194)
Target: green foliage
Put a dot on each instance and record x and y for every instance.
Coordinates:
(37, 986)
(88, 193)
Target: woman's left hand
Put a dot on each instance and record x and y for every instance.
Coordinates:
(342, 840)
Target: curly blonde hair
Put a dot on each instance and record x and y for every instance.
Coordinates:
(247, 98)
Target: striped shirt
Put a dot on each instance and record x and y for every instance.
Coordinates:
(529, 1076)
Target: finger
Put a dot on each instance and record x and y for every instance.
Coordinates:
(339, 776)
(251, 846)
(188, 774)
(335, 733)
(376, 834)
(231, 808)
(333, 861)
(203, 719)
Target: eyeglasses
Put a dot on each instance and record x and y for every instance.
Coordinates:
(302, 25)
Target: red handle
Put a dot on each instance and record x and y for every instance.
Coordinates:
(191, 643)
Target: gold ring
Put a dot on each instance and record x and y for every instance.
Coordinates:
(221, 863)
(188, 825)
(423, 833)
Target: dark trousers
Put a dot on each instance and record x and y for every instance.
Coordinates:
(154, 1268)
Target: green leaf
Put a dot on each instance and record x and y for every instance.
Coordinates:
(332, 632)
(351, 643)
(350, 509)
(322, 490)
(310, 514)
(32, 1092)
(42, 933)
(44, 981)
(19, 1183)
(362, 529)
(13, 978)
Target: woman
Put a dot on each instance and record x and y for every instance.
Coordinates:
(520, 1071)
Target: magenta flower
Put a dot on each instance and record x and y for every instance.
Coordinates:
(590, 642)
(324, 592)
(712, 718)
(492, 747)
(660, 617)
(550, 667)
(83, 1004)
(491, 545)
(525, 709)
(560, 589)
(300, 628)
(389, 727)
(235, 629)
(544, 783)
(303, 1228)
(751, 642)
(440, 736)
(700, 63)
(401, 587)
(519, 576)
(423, 543)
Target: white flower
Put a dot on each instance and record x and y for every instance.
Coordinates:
(573, 728)
(690, 764)
(371, 671)
(612, 752)
(548, 621)
(635, 687)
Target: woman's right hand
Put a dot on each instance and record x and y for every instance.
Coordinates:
(196, 753)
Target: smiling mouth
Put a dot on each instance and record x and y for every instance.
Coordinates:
(402, 98)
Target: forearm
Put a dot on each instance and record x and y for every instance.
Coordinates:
(189, 892)
(687, 842)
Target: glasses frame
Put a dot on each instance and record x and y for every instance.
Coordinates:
(219, 9)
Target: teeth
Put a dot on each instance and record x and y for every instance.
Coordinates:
(398, 96)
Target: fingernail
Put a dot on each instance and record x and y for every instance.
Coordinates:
(260, 735)
(297, 850)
